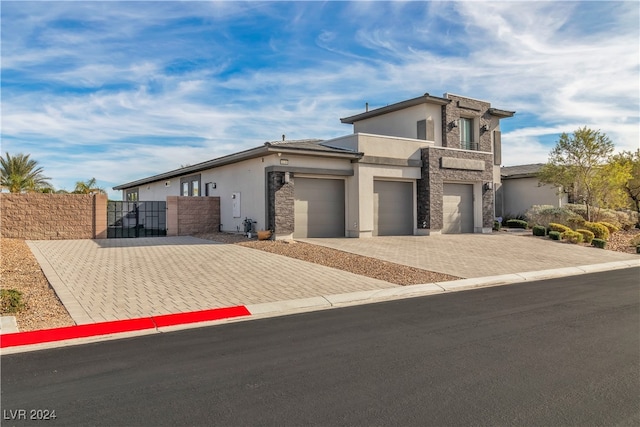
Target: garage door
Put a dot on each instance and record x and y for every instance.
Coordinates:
(318, 207)
(457, 208)
(392, 208)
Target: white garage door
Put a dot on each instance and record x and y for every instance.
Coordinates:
(457, 208)
(318, 207)
(392, 208)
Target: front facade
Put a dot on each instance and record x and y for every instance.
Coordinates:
(423, 166)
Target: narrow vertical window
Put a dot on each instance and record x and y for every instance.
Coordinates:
(466, 134)
(195, 185)
(185, 188)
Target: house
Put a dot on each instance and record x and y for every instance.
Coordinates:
(521, 189)
(422, 166)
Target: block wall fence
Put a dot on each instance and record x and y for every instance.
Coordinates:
(38, 216)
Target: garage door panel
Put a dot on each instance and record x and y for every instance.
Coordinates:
(457, 208)
(318, 207)
(392, 208)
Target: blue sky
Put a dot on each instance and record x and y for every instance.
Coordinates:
(123, 90)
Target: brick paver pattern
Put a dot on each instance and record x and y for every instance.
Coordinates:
(114, 279)
(475, 255)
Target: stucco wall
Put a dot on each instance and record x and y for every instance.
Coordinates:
(40, 216)
(403, 123)
(519, 194)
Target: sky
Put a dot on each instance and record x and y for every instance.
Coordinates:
(119, 91)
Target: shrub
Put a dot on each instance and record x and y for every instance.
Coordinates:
(599, 243)
(516, 223)
(496, 225)
(587, 235)
(11, 300)
(546, 214)
(555, 235)
(635, 241)
(558, 227)
(539, 230)
(572, 237)
(612, 228)
(598, 230)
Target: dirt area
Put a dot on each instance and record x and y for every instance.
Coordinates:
(19, 270)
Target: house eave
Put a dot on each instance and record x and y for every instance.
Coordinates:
(265, 150)
(424, 99)
(503, 114)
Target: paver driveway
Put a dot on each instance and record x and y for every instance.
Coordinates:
(475, 255)
(115, 279)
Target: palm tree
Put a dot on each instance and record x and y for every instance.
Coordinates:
(19, 174)
(88, 187)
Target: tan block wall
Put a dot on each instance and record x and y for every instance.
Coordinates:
(190, 215)
(40, 216)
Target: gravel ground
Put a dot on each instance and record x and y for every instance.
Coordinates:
(19, 270)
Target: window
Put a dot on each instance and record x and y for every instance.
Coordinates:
(190, 185)
(132, 195)
(466, 134)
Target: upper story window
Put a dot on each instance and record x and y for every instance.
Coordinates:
(466, 134)
(132, 195)
(190, 185)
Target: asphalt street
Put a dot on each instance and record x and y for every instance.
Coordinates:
(556, 352)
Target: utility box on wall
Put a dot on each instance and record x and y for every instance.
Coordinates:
(235, 204)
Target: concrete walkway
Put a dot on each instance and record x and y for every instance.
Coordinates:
(475, 255)
(116, 279)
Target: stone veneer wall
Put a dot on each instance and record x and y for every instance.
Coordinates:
(280, 204)
(466, 107)
(39, 216)
(431, 186)
(190, 215)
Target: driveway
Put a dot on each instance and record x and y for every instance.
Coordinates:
(116, 279)
(475, 255)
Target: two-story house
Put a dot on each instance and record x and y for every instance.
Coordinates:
(422, 166)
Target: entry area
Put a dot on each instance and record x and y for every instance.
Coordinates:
(392, 208)
(457, 208)
(318, 207)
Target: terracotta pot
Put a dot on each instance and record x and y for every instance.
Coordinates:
(264, 234)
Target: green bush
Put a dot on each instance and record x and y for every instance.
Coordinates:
(598, 230)
(587, 235)
(572, 237)
(496, 226)
(11, 301)
(516, 223)
(559, 227)
(539, 230)
(635, 241)
(599, 243)
(555, 235)
(612, 228)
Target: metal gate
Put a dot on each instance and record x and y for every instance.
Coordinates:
(136, 219)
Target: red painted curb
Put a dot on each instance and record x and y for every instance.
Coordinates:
(118, 326)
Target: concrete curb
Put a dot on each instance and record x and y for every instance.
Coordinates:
(81, 334)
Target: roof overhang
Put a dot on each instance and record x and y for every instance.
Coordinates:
(503, 114)
(424, 99)
(266, 150)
